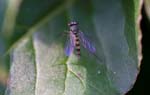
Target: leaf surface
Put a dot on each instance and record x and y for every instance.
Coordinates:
(39, 65)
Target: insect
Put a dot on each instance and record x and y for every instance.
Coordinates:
(76, 40)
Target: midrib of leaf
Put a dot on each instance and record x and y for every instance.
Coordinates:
(72, 72)
(65, 80)
(41, 22)
(77, 77)
(34, 54)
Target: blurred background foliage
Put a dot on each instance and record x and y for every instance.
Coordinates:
(20, 19)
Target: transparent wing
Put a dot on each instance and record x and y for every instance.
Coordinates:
(87, 43)
(69, 46)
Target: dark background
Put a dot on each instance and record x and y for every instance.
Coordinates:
(142, 86)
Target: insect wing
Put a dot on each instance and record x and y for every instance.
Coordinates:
(86, 43)
(69, 46)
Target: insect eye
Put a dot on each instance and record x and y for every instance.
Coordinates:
(69, 24)
(75, 23)
(72, 23)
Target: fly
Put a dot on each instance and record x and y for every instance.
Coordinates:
(76, 40)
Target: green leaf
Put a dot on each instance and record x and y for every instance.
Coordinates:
(147, 7)
(36, 45)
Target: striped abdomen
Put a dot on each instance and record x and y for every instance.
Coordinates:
(77, 44)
